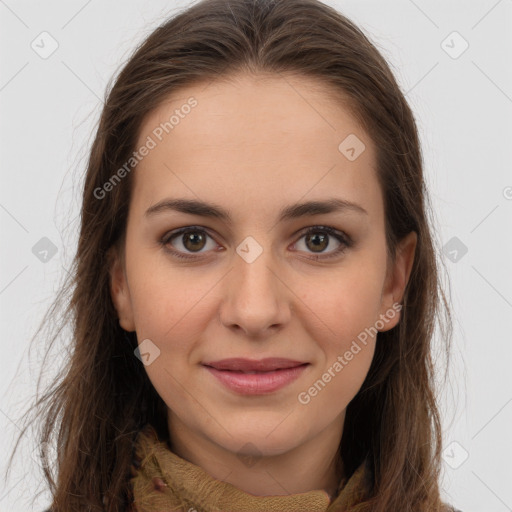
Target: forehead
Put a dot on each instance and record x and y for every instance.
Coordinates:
(255, 140)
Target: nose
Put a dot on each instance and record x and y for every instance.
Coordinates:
(256, 299)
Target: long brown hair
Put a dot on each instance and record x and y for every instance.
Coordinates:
(103, 396)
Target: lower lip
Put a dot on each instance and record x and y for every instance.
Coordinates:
(257, 383)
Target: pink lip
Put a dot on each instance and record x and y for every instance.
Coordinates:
(267, 375)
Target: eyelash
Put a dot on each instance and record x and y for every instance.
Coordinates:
(345, 241)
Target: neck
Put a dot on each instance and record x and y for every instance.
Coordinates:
(309, 466)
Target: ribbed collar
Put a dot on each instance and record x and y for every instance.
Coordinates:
(163, 481)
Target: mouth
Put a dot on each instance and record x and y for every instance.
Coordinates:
(268, 364)
(252, 377)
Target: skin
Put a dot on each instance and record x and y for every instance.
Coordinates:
(253, 145)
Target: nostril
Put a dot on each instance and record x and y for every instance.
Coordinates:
(159, 484)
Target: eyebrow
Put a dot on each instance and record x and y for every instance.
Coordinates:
(293, 211)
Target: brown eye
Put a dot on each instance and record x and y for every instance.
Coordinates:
(317, 242)
(184, 242)
(324, 242)
(193, 240)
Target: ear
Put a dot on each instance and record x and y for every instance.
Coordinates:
(397, 278)
(119, 290)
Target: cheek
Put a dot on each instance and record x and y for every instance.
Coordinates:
(330, 392)
(347, 302)
(170, 309)
(345, 310)
(348, 308)
(166, 300)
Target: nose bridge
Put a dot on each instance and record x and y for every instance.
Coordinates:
(256, 298)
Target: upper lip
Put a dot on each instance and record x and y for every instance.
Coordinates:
(252, 365)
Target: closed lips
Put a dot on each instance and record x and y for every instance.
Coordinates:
(252, 377)
(254, 366)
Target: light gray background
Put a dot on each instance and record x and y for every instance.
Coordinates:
(463, 105)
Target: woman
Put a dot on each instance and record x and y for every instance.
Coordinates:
(256, 285)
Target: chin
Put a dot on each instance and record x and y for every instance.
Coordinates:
(262, 436)
(252, 447)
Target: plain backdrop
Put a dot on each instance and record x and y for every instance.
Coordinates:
(452, 60)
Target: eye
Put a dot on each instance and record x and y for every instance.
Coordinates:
(190, 239)
(318, 239)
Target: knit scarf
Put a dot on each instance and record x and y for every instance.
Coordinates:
(161, 481)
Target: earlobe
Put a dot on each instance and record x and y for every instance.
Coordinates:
(398, 277)
(119, 290)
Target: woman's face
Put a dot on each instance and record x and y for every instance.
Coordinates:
(251, 283)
